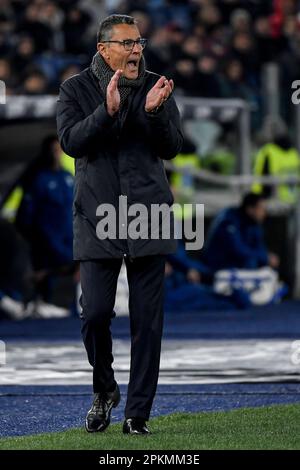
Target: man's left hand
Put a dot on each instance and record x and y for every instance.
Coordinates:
(159, 93)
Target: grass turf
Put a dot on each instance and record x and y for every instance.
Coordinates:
(273, 427)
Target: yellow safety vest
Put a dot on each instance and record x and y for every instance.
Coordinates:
(184, 184)
(67, 163)
(12, 204)
(281, 163)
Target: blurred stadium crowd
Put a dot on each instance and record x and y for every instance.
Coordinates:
(212, 48)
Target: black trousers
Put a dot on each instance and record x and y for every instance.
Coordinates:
(99, 283)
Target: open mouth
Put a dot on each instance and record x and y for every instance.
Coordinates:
(132, 65)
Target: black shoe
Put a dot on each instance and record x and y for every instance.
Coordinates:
(98, 417)
(135, 426)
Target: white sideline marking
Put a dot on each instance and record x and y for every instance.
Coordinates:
(182, 362)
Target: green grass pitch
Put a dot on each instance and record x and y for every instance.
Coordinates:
(273, 427)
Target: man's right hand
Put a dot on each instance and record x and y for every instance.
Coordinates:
(113, 94)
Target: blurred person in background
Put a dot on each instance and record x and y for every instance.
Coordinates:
(192, 48)
(278, 158)
(245, 51)
(52, 16)
(253, 33)
(68, 72)
(237, 255)
(188, 289)
(4, 44)
(44, 217)
(235, 238)
(241, 21)
(183, 71)
(16, 280)
(75, 28)
(35, 83)
(207, 83)
(209, 15)
(175, 38)
(144, 22)
(6, 73)
(232, 82)
(157, 55)
(269, 48)
(23, 55)
(33, 25)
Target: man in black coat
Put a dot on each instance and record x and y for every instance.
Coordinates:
(119, 121)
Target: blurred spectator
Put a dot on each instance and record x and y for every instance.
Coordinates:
(53, 34)
(15, 271)
(244, 50)
(175, 39)
(240, 21)
(235, 238)
(144, 22)
(6, 72)
(185, 290)
(206, 79)
(278, 158)
(6, 10)
(268, 47)
(53, 17)
(45, 215)
(75, 27)
(23, 55)
(4, 44)
(210, 16)
(157, 53)
(232, 84)
(17, 280)
(163, 12)
(35, 83)
(33, 26)
(192, 48)
(68, 72)
(182, 183)
(183, 74)
(7, 19)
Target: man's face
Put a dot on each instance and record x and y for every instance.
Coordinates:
(258, 212)
(115, 54)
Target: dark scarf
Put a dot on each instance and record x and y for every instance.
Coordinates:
(104, 74)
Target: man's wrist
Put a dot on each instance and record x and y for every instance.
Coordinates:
(112, 113)
(154, 110)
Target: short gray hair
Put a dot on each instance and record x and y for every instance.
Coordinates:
(105, 27)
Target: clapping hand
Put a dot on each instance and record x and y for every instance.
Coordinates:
(159, 93)
(112, 94)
